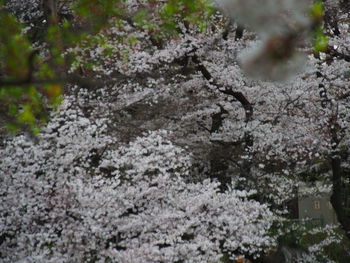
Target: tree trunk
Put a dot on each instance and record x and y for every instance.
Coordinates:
(50, 11)
(337, 195)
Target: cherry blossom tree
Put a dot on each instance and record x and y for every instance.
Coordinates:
(88, 201)
(183, 133)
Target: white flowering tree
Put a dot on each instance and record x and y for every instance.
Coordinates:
(179, 139)
(70, 198)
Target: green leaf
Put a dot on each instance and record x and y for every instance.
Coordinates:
(320, 42)
(27, 115)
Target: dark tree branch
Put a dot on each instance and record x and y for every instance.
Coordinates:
(206, 74)
(217, 119)
(337, 196)
(344, 96)
(50, 11)
(330, 20)
(26, 82)
(335, 53)
(74, 79)
(248, 108)
(226, 30)
(228, 91)
(243, 100)
(239, 32)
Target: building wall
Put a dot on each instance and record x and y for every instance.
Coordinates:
(318, 208)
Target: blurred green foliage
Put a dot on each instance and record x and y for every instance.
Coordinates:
(23, 103)
(31, 83)
(320, 40)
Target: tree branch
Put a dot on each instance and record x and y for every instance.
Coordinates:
(335, 53)
(248, 108)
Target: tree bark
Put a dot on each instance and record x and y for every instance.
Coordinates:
(337, 195)
(247, 106)
(50, 11)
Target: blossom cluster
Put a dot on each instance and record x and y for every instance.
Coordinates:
(131, 171)
(69, 197)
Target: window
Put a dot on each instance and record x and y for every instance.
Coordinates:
(317, 205)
